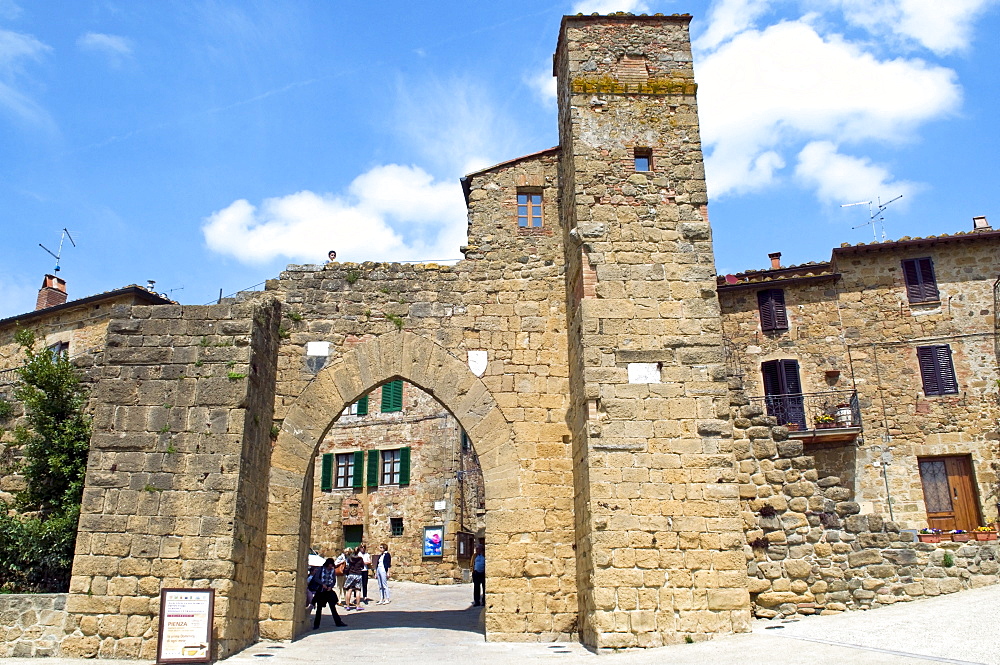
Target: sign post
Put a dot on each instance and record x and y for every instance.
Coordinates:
(185, 634)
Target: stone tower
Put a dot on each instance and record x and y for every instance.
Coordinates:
(659, 537)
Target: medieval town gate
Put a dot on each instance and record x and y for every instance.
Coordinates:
(600, 417)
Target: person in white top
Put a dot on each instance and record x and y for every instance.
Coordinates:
(367, 558)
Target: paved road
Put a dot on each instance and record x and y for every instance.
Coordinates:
(427, 624)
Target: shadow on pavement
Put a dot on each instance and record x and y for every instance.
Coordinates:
(463, 620)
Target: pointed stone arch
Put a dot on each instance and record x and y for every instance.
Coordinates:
(397, 355)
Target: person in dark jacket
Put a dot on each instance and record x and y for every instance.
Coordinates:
(325, 582)
(382, 565)
(352, 583)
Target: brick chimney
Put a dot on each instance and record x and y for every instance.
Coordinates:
(52, 293)
(775, 260)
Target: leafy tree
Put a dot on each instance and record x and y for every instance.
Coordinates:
(36, 547)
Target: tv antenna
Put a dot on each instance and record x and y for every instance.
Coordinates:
(57, 255)
(874, 213)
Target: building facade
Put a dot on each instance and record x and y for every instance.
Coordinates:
(895, 345)
(639, 487)
(396, 468)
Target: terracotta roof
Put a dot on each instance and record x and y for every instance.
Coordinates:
(142, 293)
(815, 270)
(907, 241)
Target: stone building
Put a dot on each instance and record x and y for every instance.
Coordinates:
(77, 328)
(896, 344)
(635, 495)
(394, 464)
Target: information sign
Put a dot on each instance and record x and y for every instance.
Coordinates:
(185, 626)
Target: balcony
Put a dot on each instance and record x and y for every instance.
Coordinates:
(830, 417)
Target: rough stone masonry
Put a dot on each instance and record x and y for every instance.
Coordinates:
(602, 420)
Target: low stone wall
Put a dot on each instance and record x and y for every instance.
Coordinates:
(33, 624)
(809, 550)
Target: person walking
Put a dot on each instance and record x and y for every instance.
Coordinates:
(382, 565)
(479, 577)
(341, 564)
(326, 594)
(352, 583)
(367, 559)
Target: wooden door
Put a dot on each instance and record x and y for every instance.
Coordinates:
(949, 493)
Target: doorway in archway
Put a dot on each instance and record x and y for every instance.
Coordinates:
(396, 468)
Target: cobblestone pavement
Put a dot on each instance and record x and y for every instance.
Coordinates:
(437, 624)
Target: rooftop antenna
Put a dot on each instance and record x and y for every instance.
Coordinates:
(57, 255)
(874, 213)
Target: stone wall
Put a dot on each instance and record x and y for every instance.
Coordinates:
(810, 551)
(33, 624)
(176, 481)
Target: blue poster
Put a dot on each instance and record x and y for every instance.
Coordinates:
(433, 540)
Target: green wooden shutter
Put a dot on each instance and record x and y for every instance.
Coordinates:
(363, 406)
(404, 466)
(392, 397)
(373, 460)
(326, 477)
(359, 463)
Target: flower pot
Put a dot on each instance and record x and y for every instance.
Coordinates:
(792, 427)
(985, 535)
(960, 537)
(929, 537)
(845, 417)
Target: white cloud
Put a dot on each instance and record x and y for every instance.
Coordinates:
(942, 27)
(839, 178)
(15, 50)
(390, 213)
(543, 84)
(454, 124)
(730, 17)
(766, 92)
(113, 46)
(609, 6)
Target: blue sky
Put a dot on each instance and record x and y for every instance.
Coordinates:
(205, 145)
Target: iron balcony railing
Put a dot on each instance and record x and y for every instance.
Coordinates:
(807, 411)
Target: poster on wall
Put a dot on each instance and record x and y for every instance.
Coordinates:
(433, 540)
(185, 634)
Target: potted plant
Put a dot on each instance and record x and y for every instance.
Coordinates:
(825, 421)
(928, 535)
(985, 533)
(792, 427)
(960, 536)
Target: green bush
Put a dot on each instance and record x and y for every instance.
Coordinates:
(36, 546)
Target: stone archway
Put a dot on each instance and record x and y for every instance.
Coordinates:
(390, 356)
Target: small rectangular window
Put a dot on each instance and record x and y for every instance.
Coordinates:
(392, 397)
(396, 525)
(937, 370)
(390, 467)
(359, 408)
(643, 159)
(773, 315)
(345, 470)
(921, 286)
(529, 210)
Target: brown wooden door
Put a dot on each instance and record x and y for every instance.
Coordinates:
(949, 493)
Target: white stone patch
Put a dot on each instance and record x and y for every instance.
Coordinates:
(643, 372)
(477, 362)
(318, 349)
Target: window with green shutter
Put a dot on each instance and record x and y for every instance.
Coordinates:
(326, 474)
(392, 397)
(359, 469)
(404, 466)
(363, 406)
(373, 459)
